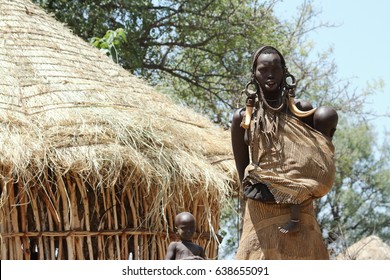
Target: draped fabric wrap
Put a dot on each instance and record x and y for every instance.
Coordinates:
(296, 163)
(261, 239)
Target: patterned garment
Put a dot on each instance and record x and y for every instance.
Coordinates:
(296, 163)
(261, 239)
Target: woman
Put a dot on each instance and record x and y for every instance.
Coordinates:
(284, 158)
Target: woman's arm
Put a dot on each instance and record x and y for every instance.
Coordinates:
(240, 149)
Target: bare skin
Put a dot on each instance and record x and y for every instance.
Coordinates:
(292, 225)
(185, 249)
(268, 72)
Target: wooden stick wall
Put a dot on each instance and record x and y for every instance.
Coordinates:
(65, 216)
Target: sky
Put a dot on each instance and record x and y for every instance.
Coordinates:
(361, 44)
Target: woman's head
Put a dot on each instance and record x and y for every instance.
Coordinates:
(266, 50)
(269, 70)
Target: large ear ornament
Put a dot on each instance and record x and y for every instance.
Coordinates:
(294, 109)
(291, 98)
(250, 103)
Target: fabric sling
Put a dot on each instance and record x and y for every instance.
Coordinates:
(296, 163)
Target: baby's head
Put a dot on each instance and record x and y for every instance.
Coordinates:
(185, 225)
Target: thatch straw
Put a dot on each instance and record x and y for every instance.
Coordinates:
(368, 248)
(94, 163)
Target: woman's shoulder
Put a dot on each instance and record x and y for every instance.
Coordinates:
(238, 113)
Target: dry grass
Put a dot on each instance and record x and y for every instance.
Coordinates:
(368, 248)
(94, 163)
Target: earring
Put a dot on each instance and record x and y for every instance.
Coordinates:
(249, 103)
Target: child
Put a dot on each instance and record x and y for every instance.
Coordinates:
(185, 249)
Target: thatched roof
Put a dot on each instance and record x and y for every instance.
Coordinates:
(64, 102)
(66, 107)
(368, 248)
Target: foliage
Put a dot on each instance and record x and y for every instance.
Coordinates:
(199, 51)
(230, 228)
(358, 204)
(110, 43)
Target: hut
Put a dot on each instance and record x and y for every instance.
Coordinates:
(94, 163)
(368, 248)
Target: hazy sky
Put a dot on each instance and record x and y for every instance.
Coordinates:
(361, 44)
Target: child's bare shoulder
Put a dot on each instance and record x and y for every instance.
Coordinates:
(174, 243)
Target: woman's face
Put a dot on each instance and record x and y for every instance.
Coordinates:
(269, 72)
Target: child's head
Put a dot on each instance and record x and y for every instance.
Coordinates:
(185, 225)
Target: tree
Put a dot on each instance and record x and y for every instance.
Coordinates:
(358, 204)
(200, 49)
(230, 228)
